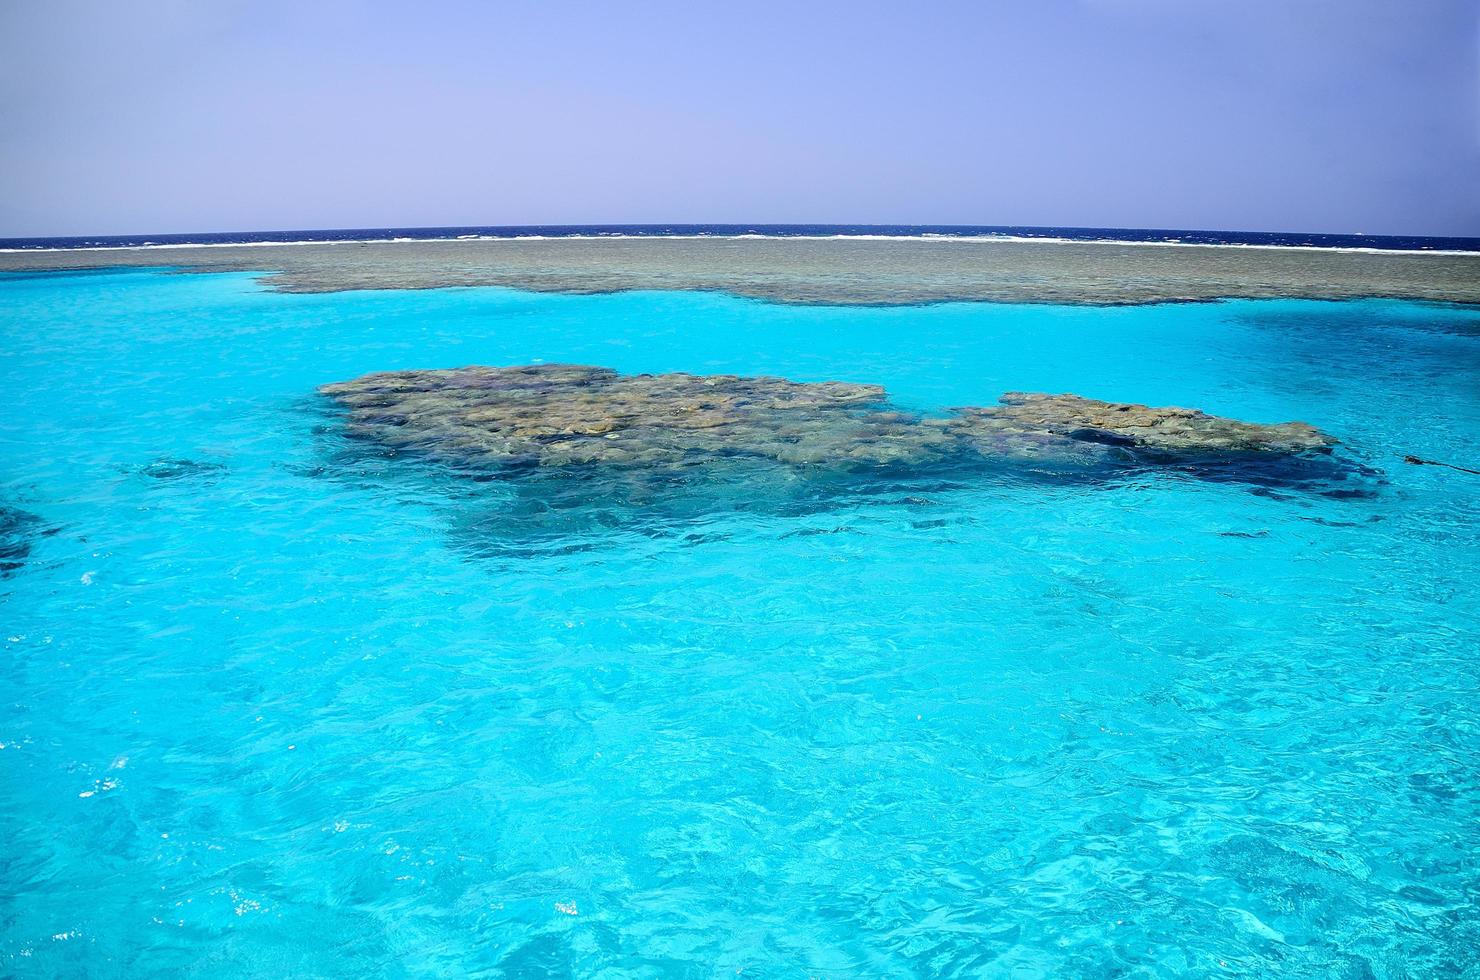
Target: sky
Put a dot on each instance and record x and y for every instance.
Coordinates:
(1279, 115)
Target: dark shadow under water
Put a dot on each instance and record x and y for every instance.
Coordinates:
(19, 531)
(531, 510)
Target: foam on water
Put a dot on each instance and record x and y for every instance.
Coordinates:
(274, 709)
(1340, 242)
(979, 239)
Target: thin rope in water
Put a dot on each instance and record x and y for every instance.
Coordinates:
(1417, 461)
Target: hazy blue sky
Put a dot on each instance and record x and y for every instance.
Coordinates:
(1311, 115)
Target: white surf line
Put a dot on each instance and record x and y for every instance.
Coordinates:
(923, 238)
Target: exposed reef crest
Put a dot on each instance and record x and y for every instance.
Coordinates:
(830, 271)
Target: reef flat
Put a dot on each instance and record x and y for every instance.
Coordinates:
(556, 417)
(812, 270)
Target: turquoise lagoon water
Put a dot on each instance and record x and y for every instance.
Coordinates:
(270, 709)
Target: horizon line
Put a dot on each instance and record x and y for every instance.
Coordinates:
(758, 226)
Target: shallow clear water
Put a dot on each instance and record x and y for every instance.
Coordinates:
(271, 711)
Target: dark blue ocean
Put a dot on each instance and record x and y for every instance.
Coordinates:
(1189, 237)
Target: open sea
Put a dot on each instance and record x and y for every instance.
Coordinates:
(270, 707)
(1013, 232)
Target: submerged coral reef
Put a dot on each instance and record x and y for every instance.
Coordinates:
(18, 531)
(577, 451)
(180, 469)
(1036, 420)
(557, 416)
